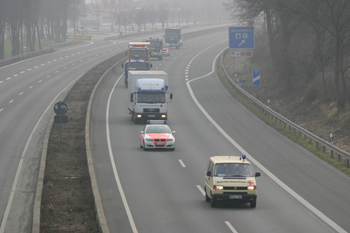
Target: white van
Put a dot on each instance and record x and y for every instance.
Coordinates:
(230, 179)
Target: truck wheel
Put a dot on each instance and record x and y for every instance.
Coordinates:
(253, 204)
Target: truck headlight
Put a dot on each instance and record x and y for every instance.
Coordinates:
(218, 187)
(251, 187)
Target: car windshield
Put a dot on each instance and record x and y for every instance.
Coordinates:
(158, 129)
(233, 170)
(165, 46)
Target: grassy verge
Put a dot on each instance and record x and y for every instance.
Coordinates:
(334, 160)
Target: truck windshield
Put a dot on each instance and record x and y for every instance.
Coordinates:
(156, 44)
(137, 66)
(151, 97)
(233, 170)
(141, 53)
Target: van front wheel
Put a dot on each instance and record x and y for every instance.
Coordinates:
(207, 198)
(213, 202)
(253, 204)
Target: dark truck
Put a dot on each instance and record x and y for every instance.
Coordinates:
(156, 47)
(173, 37)
(135, 64)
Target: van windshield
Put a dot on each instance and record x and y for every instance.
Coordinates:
(233, 170)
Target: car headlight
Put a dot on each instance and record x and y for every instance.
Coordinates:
(170, 139)
(148, 139)
(218, 187)
(251, 187)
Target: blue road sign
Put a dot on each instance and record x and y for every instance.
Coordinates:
(256, 77)
(241, 37)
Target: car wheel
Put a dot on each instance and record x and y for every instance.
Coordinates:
(141, 146)
(144, 148)
(207, 198)
(253, 204)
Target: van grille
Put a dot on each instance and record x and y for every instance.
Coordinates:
(235, 188)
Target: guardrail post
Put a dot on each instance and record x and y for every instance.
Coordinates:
(332, 154)
(347, 163)
(324, 148)
(339, 157)
(317, 145)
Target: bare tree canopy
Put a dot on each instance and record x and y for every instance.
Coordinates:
(317, 29)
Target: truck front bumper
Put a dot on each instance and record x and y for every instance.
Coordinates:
(151, 116)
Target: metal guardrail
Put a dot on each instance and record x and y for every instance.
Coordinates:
(319, 141)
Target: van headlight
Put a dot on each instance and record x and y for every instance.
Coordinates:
(251, 187)
(218, 187)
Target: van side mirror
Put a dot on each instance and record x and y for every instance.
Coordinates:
(122, 65)
(150, 65)
(208, 173)
(131, 95)
(257, 174)
(171, 96)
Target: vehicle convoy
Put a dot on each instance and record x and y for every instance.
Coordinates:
(230, 179)
(156, 47)
(173, 37)
(157, 136)
(135, 64)
(139, 50)
(149, 95)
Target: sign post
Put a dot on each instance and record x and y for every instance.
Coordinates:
(256, 77)
(60, 109)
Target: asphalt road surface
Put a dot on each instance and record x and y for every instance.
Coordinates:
(162, 191)
(28, 91)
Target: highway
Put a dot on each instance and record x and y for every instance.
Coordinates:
(28, 91)
(162, 191)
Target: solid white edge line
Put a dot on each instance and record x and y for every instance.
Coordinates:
(14, 185)
(122, 194)
(231, 227)
(200, 189)
(265, 170)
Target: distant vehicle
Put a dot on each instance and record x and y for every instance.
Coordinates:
(139, 50)
(166, 50)
(230, 179)
(155, 47)
(173, 37)
(157, 136)
(135, 64)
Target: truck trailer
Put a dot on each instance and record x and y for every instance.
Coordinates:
(173, 37)
(149, 95)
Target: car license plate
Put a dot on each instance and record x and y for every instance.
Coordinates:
(160, 143)
(235, 197)
(151, 115)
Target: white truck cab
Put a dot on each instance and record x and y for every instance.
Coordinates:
(230, 179)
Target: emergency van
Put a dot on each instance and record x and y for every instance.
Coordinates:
(230, 179)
